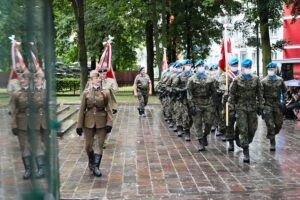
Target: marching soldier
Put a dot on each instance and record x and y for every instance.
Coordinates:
(27, 117)
(273, 88)
(246, 95)
(95, 120)
(200, 93)
(231, 132)
(142, 88)
(183, 119)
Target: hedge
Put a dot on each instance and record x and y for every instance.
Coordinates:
(67, 84)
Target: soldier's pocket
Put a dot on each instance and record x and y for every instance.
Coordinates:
(100, 118)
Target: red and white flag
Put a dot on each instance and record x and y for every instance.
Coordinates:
(17, 59)
(224, 59)
(105, 60)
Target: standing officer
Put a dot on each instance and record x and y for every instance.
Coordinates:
(200, 93)
(273, 88)
(142, 88)
(24, 119)
(183, 118)
(95, 120)
(246, 95)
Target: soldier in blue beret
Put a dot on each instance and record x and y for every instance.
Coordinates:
(273, 88)
(200, 92)
(181, 111)
(247, 96)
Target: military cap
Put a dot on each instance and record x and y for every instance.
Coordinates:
(233, 61)
(215, 66)
(271, 65)
(178, 64)
(199, 62)
(246, 63)
(141, 68)
(187, 61)
(94, 73)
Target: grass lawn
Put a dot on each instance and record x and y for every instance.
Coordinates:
(125, 95)
(120, 99)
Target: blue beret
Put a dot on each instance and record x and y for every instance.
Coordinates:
(272, 65)
(206, 67)
(215, 66)
(233, 61)
(246, 63)
(188, 61)
(178, 64)
(199, 62)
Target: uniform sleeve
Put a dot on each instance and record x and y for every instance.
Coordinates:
(189, 92)
(259, 91)
(232, 92)
(108, 108)
(13, 111)
(81, 111)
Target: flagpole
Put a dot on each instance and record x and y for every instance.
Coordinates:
(226, 71)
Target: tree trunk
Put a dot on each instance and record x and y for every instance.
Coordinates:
(164, 24)
(265, 36)
(150, 52)
(188, 29)
(78, 7)
(156, 37)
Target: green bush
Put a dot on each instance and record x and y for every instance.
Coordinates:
(67, 84)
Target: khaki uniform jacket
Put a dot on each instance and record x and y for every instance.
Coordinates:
(26, 116)
(95, 109)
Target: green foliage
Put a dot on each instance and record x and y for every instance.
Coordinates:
(67, 84)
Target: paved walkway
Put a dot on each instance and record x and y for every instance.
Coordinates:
(145, 160)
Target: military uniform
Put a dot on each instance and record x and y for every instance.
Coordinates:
(161, 89)
(273, 88)
(27, 112)
(171, 100)
(200, 93)
(246, 95)
(95, 118)
(142, 84)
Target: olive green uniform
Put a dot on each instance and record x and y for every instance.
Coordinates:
(272, 90)
(200, 93)
(246, 95)
(94, 115)
(142, 83)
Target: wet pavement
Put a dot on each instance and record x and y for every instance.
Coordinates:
(144, 159)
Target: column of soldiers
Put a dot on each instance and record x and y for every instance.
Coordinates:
(199, 96)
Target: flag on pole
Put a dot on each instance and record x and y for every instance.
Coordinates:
(17, 59)
(105, 60)
(35, 60)
(164, 62)
(222, 61)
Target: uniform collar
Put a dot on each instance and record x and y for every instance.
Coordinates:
(247, 76)
(201, 75)
(273, 77)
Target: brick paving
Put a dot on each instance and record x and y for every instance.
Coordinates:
(144, 159)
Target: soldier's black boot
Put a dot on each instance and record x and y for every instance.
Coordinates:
(40, 162)
(97, 161)
(143, 113)
(231, 145)
(26, 162)
(187, 136)
(175, 129)
(179, 131)
(201, 145)
(246, 155)
(272, 144)
(91, 159)
(140, 112)
(171, 124)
